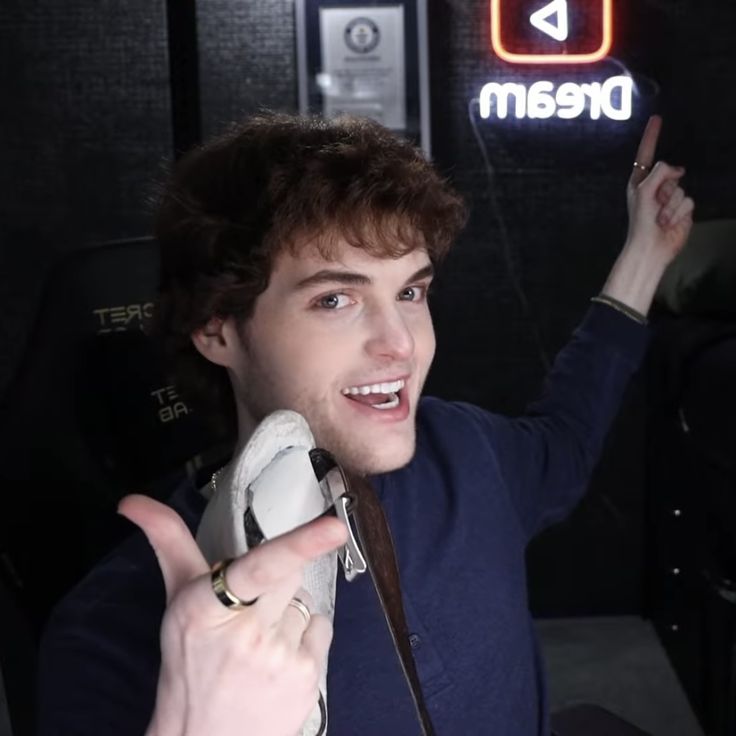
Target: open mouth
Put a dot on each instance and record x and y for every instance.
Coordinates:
(379, 396)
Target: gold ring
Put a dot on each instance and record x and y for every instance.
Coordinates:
(223, 593)
(641, 167)
(302, 608)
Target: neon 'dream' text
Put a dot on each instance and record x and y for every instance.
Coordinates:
(541, 100)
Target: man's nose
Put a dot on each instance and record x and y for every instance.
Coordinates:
(390, 336)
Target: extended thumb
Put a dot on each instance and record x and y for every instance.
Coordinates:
(178, 555)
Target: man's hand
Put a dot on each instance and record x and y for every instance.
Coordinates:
(660, 219)
(223, 671)
(660, 215)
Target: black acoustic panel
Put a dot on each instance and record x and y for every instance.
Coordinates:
(91, 116)
(247, 59)
(84, 127)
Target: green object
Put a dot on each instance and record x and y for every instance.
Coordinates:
(701, 281)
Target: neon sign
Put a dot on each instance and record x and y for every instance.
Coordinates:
(513, 39)
(558, 32)
(569, 100)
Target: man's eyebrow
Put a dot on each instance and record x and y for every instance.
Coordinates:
(333, 276)
(423, 273)
(328, 276)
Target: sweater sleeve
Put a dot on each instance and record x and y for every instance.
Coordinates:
(100, 655)
(546, 457)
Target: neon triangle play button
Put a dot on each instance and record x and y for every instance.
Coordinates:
(542, 19)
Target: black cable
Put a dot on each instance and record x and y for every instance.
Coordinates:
(506, 245)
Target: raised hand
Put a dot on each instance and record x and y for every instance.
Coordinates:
(228, 671)
(660, 214)
(660, 219)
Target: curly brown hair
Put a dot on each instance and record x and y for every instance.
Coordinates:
(275, 182)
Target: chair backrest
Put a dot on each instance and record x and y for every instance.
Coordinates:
(90, 416)
(586, 719)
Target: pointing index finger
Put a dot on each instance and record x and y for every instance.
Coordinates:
(647, 148)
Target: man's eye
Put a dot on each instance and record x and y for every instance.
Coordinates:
(333, 301)
(413, 294)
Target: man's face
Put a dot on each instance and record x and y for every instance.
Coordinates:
(347, 343)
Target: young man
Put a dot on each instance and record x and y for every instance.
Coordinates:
(296, 258)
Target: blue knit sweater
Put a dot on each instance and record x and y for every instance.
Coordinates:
(462, 512)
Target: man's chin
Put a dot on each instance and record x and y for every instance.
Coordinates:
(368, 450)
(376, 462)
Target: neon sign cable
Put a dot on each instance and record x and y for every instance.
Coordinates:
(507, 246)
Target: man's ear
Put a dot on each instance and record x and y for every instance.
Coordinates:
(218, 341)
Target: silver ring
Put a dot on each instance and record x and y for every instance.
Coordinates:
(302, 608)
(223, 593)
(641, 167)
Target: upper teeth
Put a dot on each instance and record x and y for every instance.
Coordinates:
(375, 388)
